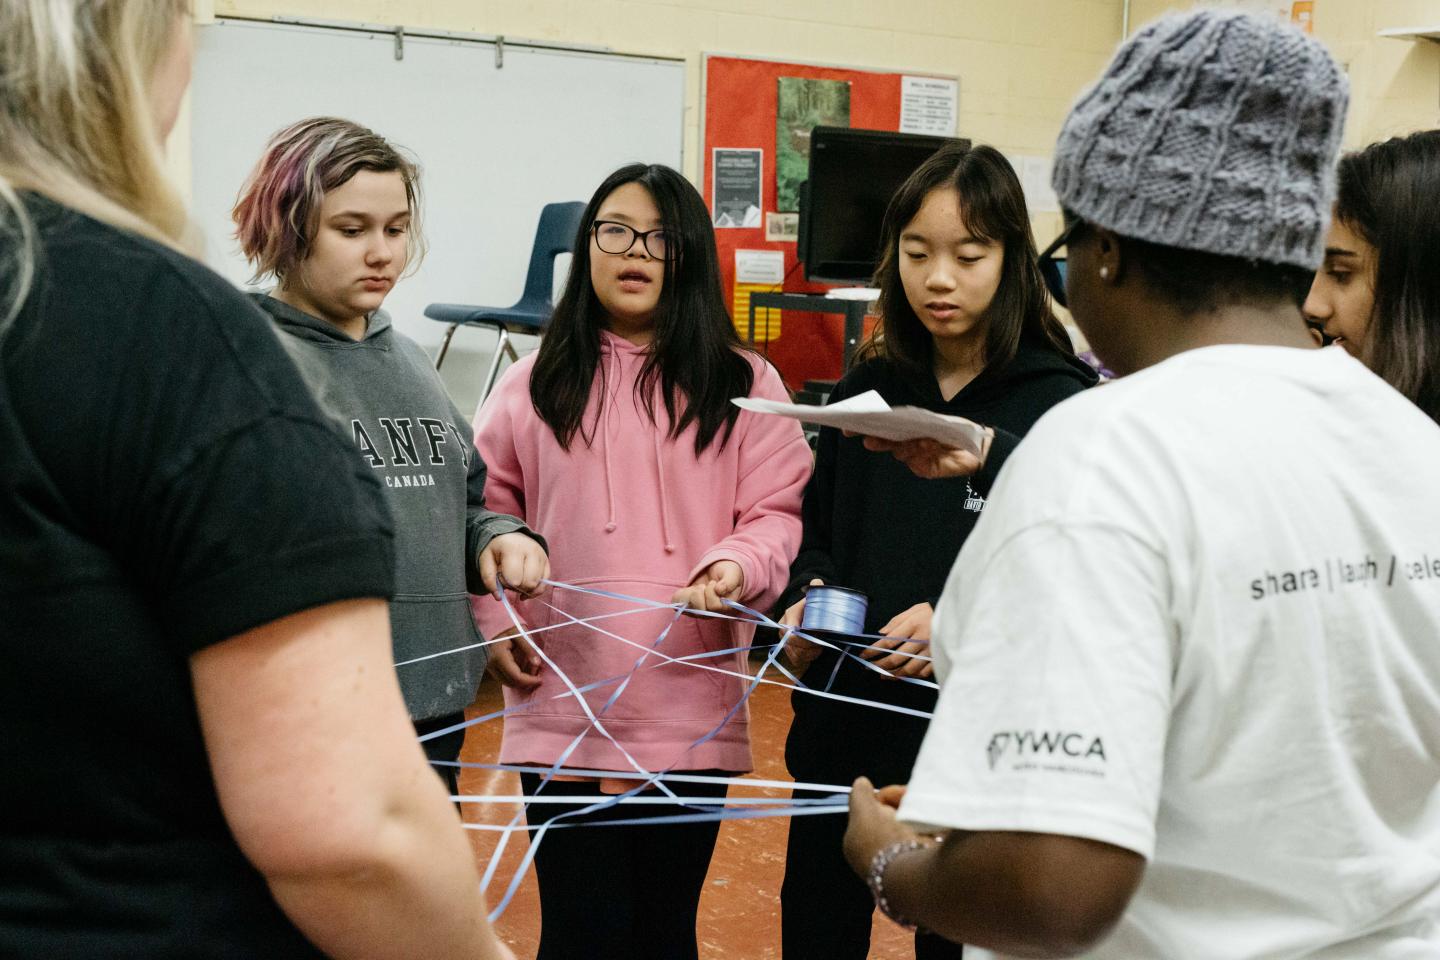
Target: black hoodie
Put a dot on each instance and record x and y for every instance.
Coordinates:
(872, 525)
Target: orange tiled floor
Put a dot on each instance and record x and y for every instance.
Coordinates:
(740, 909)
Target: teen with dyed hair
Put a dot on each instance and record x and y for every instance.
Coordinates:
(207, 749)
(332, 212)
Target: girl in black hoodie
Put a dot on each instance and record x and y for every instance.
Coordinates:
(966, 329)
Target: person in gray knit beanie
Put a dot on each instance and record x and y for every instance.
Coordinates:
(1189, 684)
(1214, 132)
(1204, 160)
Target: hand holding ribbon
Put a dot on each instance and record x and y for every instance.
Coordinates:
(722, 580)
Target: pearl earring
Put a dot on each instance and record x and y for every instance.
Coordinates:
(1104, 273)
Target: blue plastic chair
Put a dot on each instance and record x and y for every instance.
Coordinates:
(559, 226)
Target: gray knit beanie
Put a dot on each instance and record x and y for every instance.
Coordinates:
(1214, 131)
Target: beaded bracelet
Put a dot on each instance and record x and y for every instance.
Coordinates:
(876, 877)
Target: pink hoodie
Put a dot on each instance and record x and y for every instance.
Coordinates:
(639, 514)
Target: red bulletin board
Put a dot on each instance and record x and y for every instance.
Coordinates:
(740, 108)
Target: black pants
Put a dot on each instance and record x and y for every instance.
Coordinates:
(826, 910)
(620, 893)
(444, 748)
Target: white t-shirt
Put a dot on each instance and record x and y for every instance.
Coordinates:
(1200, 620)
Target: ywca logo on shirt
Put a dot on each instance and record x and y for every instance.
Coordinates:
(1063, 751)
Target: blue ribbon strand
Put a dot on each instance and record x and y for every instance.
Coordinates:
(651, 657)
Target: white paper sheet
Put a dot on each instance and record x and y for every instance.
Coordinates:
(760, 266)
(1033, 170)
(929, 105)
(870, 415)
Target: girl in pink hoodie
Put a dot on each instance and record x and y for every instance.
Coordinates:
(619, 441)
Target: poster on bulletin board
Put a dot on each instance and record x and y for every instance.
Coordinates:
(736, 195)
(801, 105)
(929, 105)
(770, 107)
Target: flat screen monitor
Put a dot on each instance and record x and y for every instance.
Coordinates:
(853, 174)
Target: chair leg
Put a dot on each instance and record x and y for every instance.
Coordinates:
(502, 347)
(445, 345)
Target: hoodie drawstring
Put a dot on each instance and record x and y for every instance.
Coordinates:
(609, 397)
(664, 497)
(609, 402)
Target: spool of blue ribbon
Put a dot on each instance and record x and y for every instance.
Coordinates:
(837, 609)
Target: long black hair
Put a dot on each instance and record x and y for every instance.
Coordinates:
(1389, 193)
(992, 209)
(696, 357)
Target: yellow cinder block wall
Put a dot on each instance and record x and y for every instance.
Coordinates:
(1394, 84)
(1020, 62)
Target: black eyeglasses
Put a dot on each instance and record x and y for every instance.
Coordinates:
(1052, 268)
(618, 238)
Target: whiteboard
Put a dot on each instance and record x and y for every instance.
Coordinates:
(495, 143)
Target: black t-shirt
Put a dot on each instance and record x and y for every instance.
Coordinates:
(166, 482)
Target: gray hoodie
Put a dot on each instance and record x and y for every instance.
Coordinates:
(386, 395)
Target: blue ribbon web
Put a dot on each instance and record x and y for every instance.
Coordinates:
(654, 789)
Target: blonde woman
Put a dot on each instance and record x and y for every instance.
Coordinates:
(206, 750)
